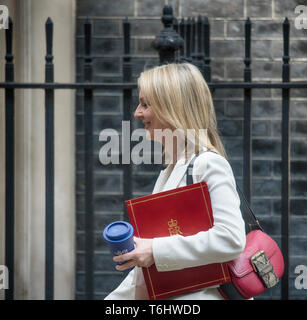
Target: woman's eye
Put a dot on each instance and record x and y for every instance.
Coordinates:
(144, 105)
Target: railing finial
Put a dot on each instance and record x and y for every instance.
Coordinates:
(168, 41)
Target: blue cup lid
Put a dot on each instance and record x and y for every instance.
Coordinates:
(118, 230)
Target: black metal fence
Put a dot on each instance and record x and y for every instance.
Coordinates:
(191, 43)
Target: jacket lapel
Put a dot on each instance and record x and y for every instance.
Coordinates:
(161, 180)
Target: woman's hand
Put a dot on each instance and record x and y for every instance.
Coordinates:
(141, 256)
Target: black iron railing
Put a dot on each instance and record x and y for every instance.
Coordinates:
(9, 160)
(191, 44)
(49, 160)
(88, 145)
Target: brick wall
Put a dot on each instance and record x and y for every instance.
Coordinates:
(227, 53)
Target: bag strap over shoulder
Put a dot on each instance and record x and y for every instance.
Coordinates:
(248, 213)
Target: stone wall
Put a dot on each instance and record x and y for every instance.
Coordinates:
(227, 54)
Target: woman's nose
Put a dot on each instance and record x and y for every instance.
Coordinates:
(138, 112)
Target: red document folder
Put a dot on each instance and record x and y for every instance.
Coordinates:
(184, 211)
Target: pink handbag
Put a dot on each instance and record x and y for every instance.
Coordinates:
(259, 267)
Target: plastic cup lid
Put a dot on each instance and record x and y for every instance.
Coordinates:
(118, 230)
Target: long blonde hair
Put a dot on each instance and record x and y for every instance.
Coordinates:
(178, 94)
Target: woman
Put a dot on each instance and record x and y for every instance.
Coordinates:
(172, 97)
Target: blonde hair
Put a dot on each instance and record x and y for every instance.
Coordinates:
(179, 95)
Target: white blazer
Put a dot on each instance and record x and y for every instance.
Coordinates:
(223, 242)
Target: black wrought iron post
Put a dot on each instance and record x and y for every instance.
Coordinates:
(207, 67)
(247, 134)
(9, 162)
(49, 160)
(188, 40)
(127, 102)
(175, 25)
(285, 161)
(199, 62)
(88, 149)
(193, 40)
(176, 28)
(168, 41)
(182, 34)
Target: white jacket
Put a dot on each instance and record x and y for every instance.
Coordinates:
(223, 242)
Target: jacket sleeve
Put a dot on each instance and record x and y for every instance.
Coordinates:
(126, 289)
(225, 240)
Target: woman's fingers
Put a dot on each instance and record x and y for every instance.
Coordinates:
(141, 256)
(125, 266)
(124, 257)
(127, 261)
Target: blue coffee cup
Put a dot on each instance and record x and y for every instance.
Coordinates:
(119, 236)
